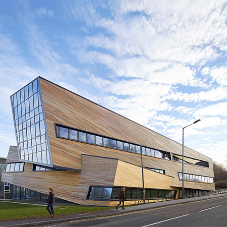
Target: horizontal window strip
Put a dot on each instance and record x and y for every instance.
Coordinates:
(196, 178)
(15, 167)
(65, 132)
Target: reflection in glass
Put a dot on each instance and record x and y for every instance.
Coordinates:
(106, 142)
(64, 132)
(148, 150)
(73, 134)
(132, 148)
(107, 193)
(113, 143)
(143, 151)
(138, 149)
(90, 138)
(98, 140)
(119, 145)
(82, 137)
(126, 146)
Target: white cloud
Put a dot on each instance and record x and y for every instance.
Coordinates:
(219, 74)
(44, 12)
(218, 109)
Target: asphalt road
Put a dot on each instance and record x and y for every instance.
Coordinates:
(211, 212)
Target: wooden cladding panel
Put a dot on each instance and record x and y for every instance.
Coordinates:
(95, 171)
(63, 182)
(64, 107)
(131, 176)
(171, 168)
(12, 154)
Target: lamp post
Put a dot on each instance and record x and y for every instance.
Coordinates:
(141, 152)
(183, 154)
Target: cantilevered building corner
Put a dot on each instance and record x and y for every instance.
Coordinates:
(88, 152)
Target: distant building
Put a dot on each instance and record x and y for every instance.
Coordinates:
(2, 169)
(87, 152)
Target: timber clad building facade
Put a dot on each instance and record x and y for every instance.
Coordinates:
(87, 152)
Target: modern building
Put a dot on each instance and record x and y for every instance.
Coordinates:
(2, 169)
(87, 152)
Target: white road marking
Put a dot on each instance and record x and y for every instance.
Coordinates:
(209, 208)
(165, 220)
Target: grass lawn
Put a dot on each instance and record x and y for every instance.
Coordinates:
(12, 211)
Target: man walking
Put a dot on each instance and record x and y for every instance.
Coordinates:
(50, 202)
(121, 197)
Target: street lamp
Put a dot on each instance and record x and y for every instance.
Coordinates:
(183, 154)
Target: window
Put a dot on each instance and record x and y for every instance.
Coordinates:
(82, 137)
(87, 137)
(133, 148)
(99, 193)
(98, 140)
(29, 120)
(197, 178)
(148, 151)
(15, 167)
(90, 138)
(113, 143)
(119, 145)
(138, 149)
(126, 146)
(73, 134)
(106, 142)
(64, 133)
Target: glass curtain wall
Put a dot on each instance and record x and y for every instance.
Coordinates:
(30, 124)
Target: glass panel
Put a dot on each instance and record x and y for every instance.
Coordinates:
(7, 167)
(90, 138)
(39, 157)
(98, 140)
(42, 127)
(98, 193)
(107, 193)
(73, 134)
(22, 95)
(143, 150)
(37, 131)
(157, 154)
(64, 132)
(44, 159)
(119, 145)
(148, 150)
(132, 148)
(25, 92)
(18, 97)
(138, 149)
(82, 137)
(113, 143)
(30, 89)
(106, 142)
(35, 86)
(15, 100)
(35, 100)
(126, 146)
(22, 108)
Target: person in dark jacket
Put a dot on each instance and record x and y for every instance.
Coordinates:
(121, 197)
(50, 202)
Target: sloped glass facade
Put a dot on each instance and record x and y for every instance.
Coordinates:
(30, 124)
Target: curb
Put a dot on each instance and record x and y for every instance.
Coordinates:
(92, 216)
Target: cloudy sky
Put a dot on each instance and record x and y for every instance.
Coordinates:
(159, 63)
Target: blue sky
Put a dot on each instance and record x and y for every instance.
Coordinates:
(159, 63)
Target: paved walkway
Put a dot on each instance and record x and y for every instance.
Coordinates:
(112, 212)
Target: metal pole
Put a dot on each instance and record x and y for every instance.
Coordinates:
(183, 154)
(142, 173)
(183, 163)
